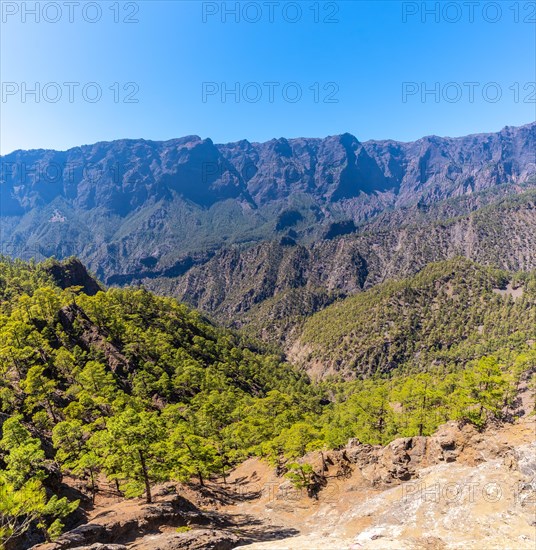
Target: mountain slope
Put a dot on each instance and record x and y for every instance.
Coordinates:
(95, 386)
(449, 313)
(140, 207)
(115, 392)
(269, 285)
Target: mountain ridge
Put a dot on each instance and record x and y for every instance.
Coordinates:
(245, 140)
(227, 227)
(126, 204)
(334, 168)
(438, 317)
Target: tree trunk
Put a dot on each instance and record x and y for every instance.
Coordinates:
(51, 411)
(145, 477)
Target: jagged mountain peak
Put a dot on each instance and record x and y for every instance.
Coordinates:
(124, 200)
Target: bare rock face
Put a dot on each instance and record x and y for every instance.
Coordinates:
(402, 459)
(196, 539)
(134, 207)
(458, 488)
(73, 272)
(340, 167)
(87, 335)
(99, 546)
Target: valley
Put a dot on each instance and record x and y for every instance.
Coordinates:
(269, 345)
(123, 392)
(267, 275)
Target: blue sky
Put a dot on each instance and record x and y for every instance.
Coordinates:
(350, 66)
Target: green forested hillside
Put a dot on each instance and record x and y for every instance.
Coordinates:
(127, 384)
(270, 286)
(450, 313)
(128, 388)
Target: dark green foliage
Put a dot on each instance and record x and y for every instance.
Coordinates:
(450, 313)
(141, 389)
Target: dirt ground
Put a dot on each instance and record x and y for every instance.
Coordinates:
(458, 489)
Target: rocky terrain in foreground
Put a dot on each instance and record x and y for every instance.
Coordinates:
(120, 395)
(465, 490)
(459, 488)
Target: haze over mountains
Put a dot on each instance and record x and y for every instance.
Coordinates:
(301, 221)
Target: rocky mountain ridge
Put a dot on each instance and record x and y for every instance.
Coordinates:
(122, 175)
(132, 206)
(275, 280)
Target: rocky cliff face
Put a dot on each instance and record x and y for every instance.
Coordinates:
(341, 168)
(273, 280)
(73, 272)
(136, 206)
(124, 175)
(118, 177)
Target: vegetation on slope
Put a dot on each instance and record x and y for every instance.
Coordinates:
(450, 313)
(141, 389)
(270, 286)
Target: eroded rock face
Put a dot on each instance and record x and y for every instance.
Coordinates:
(403, 459)
(458, 488)
(132, 207)
(196, 539)
(73, 273)
(79, 326)
(99, 546)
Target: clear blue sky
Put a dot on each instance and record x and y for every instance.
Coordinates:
(368, 50)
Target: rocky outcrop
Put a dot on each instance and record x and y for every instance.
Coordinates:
(458, 488)
(123, 523)
(86, 334)
(73, 272)
(402, 459)
(196, 539)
